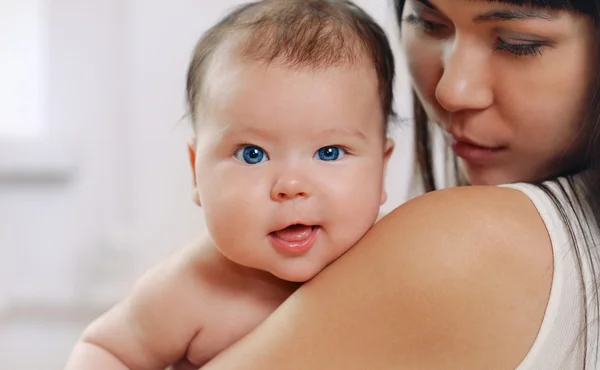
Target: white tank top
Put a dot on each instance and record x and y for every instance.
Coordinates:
(560, 342)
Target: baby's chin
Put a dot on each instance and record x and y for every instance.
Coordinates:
(297, 274)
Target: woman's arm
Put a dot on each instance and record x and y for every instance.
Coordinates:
(457, 279)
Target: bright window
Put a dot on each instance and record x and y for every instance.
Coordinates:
(21, 69)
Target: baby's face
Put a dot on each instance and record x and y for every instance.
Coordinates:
(289, 164)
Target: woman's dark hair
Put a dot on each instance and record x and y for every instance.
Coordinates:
(586, 196)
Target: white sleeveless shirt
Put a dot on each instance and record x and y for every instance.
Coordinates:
(560, 342)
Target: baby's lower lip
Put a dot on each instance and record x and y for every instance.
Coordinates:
(297, 239)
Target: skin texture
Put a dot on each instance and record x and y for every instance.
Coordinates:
(204, 298)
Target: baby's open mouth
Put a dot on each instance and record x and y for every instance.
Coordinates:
(295, 233)
(297, 238)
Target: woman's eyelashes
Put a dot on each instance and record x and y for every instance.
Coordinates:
(516, 47)
(424, 25)
(519, 49)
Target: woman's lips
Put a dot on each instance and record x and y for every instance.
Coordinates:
(472, 152)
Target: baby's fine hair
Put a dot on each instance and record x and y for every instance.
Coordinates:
(313, 34)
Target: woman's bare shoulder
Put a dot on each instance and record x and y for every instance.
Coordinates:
(476, 229)
(493, 215)
(485, 244)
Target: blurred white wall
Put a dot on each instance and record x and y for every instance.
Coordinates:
(106, 192)
(59, 191)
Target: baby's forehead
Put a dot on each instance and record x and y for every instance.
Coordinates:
(248, 96)
(229, 69)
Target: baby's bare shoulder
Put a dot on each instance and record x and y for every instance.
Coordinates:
(158, 320)
(229, 300)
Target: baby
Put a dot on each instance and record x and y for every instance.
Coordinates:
(290, 102)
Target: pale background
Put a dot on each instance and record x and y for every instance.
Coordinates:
(94, 180)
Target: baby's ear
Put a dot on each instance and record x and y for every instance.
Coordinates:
(192, 158)
(388, 149)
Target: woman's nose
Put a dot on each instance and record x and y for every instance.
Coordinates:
(466, 79)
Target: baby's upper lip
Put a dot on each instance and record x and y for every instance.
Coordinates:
(281, 226)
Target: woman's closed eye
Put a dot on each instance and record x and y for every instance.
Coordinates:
(519, 49)
(504, 44)
(520, 44)
(427, 26)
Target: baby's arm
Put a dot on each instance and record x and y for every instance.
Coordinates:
(151, 328)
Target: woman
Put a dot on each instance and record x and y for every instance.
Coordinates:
(480, 277)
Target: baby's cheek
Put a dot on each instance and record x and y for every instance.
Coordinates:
(231, 228)
(357, 217)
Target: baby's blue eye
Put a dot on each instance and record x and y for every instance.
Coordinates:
(250, 154)
(330, 153)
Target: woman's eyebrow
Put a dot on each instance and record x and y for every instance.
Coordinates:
(427, 3)
(511, 14)
(504, 14)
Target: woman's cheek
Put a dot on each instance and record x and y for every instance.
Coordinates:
(425, 66)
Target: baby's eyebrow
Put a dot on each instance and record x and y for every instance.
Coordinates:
(233, 130)
(345, 132)
(238, 129)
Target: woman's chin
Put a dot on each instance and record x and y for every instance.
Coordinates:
(478, 176)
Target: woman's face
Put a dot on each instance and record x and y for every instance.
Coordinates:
(509, 84)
